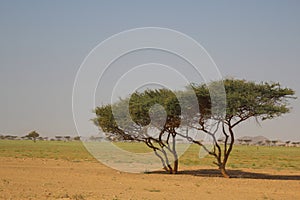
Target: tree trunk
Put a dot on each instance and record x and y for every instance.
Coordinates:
(175, 170)
(170, 169)
(223, 171)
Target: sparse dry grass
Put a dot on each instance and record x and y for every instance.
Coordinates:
(252, 157)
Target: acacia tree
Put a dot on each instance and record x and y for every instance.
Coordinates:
(33, 135)
(67, 138)
(244, 100)
(158, 132)
(77, 138)
(162, 121)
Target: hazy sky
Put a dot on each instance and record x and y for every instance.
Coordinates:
(43, 43)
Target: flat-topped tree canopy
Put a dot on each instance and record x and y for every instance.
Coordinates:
(264, 100)
(244, 100)
(171, 111)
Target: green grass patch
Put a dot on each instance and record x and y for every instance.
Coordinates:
(241, 157)
(71, 151)
(133, 147)
(255, 157)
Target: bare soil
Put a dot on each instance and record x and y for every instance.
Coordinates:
(33, 178)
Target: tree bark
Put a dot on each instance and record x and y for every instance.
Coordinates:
(223, 171)
(170, 169)
(175, 170)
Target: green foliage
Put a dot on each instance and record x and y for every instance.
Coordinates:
(247, 99)
(33, 135)
(77, 138)
(126, 118)
(141, 103)
(219, 105)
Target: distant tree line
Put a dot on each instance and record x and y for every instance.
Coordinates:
(34, 136)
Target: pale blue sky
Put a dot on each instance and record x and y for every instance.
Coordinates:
(43, 43)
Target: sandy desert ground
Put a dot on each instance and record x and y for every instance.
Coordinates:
(36, 178)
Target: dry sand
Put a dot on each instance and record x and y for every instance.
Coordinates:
(59, 179)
